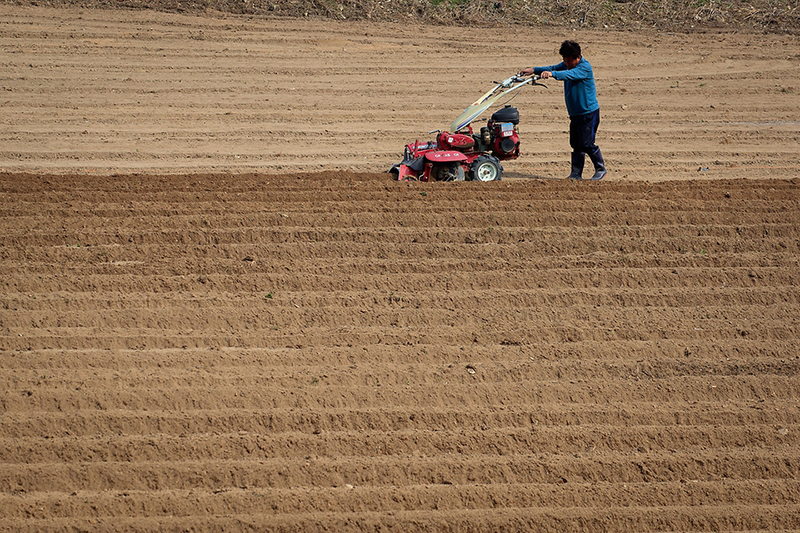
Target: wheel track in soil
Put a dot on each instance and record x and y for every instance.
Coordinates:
(340, 351)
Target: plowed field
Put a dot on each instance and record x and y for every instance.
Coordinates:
(340, 352)
(199, 333)
(119, 92)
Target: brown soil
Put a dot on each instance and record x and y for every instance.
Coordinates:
(218, 313)
(121, 92)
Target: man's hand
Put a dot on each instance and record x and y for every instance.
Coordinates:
(526, 72)
(546, 74)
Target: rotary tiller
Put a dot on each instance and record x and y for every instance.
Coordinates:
(465, 154)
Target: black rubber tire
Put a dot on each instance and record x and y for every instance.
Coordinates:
(486, 168)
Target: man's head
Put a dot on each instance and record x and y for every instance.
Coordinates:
(571, 52)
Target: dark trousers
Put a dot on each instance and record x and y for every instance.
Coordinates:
(582, 132)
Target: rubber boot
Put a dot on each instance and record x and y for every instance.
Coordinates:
(599, 165)
(578, 158)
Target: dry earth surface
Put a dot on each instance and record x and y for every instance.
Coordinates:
(124, 91)
(217, 313)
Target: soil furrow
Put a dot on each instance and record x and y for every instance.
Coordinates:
(219, 312)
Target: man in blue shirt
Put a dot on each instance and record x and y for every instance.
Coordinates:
(580, 95)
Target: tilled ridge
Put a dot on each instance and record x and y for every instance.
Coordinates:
(344, 352)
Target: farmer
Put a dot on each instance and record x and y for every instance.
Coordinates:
(584, 110)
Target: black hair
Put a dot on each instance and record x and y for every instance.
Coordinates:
(570, 49)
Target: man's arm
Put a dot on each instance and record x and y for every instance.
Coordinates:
(581, 72)
(551, 68)
(540, 70)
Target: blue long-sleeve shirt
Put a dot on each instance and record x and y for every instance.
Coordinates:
(580, 92)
